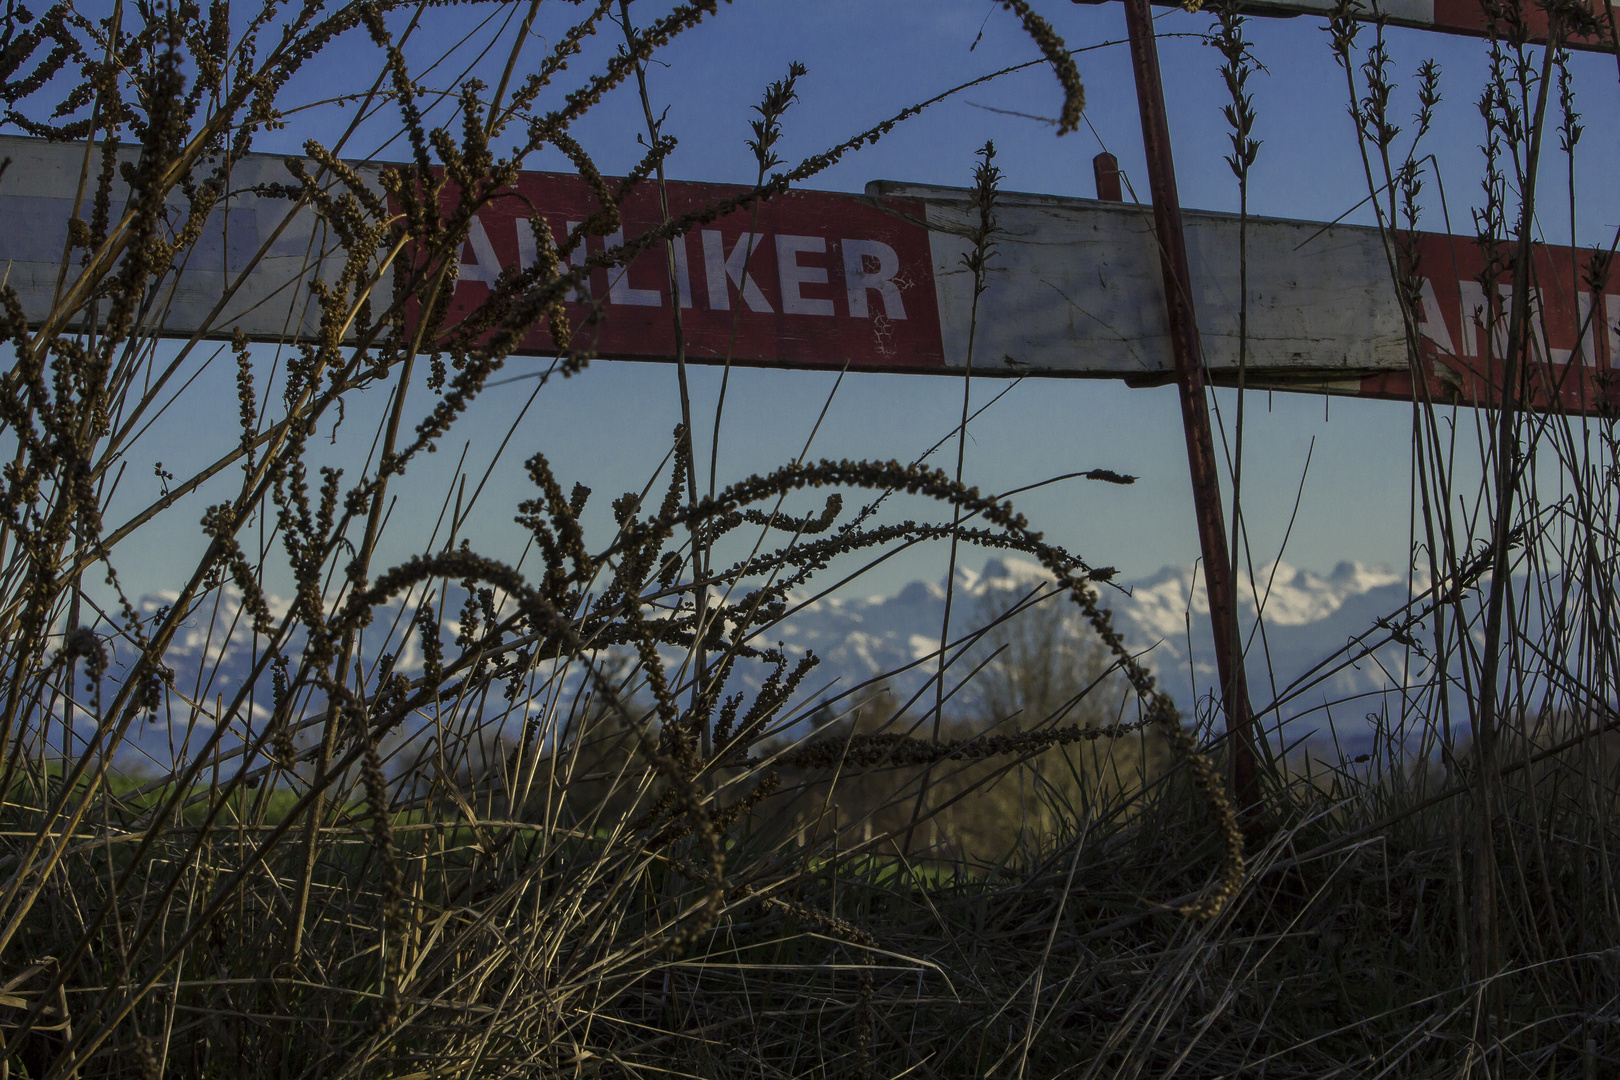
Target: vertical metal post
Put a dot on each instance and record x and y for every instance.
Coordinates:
(1189, 360)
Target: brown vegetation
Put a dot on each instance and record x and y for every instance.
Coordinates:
(607, 832)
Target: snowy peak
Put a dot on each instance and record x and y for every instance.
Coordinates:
(1285, 594)
(1306, 617)
(1293, 597)
(860, 638)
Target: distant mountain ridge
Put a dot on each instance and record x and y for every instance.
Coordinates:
(1308, 617)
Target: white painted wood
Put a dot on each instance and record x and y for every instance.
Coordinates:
(1075, 288)
(272, 302)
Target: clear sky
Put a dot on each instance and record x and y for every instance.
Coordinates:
(867, 59)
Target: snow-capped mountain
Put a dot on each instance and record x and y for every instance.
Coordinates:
(215, 653)
(1308, 618)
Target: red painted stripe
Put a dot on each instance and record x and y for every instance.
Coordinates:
(832, 279)
(1573, 338)
(1470, 17)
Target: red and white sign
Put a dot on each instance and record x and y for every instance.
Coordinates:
(876, 282)
(808, 279)
(1573, 330)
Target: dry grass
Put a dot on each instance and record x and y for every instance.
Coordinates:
(594, 827)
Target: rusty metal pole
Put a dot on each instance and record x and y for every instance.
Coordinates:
(1189, 359)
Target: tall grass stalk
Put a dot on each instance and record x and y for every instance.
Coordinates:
(570, 811)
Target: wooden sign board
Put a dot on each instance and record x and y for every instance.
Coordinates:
(876, 282)
(825, 280)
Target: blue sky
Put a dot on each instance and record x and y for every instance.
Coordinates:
(609, 427)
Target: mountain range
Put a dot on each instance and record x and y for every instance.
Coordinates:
(1308, 618)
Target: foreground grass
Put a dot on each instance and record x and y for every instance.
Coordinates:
(1345, 953)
